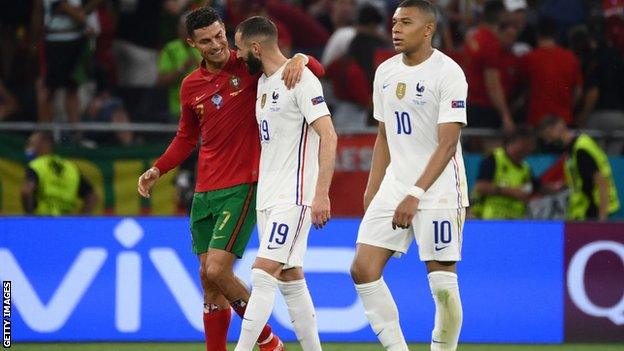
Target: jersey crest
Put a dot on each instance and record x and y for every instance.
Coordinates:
(263, 101)
(400, 90)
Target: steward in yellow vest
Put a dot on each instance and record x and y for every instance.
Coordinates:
(505, 183)
(587, 172)
(53, 185)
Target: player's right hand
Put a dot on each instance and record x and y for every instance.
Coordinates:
(321, 211)
(147, 180)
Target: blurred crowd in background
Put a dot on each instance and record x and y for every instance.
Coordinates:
(120, 61)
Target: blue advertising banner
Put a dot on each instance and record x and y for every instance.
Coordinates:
(135, 279)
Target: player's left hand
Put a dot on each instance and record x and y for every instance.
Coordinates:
(293, 71)
(321, 211)
(405, 212)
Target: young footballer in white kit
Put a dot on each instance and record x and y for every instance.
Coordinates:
(417, 184)
(296, 167)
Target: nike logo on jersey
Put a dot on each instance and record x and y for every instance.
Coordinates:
(197, 98)
(386, 85)
(273, 247)
(216, 237)
(437, 342)
(441, 248)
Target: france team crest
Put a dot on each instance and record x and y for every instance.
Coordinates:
(400, 90)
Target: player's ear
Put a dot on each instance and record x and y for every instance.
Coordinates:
(430, 29)
(256, 49)
(190, 42)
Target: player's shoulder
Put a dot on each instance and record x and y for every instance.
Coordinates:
(447, 67)
(388, 66)
(190, 82)
(307, 79)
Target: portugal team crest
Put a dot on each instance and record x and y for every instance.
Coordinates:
(263, 100)
(235, 82)
(400, 90)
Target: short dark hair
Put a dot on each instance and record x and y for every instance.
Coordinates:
(492, 11)
(422, 5)
(257, 26)
(201, 18)
(547, 27)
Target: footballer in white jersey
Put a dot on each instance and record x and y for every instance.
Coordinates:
(296, 166)
(417, 185)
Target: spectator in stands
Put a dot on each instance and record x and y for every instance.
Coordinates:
(67, 25)
(352, 75)
(307, 34)
(135, 49)
(587, 172)
(20, 26)
(487, 104)
(554, 77)
(510, 63)
(259, 8)
(565, 13)
(335, 14)
(176, 60)
(104, 108)
(8, 104)
(527, 37)
(603, 94)
(505, 183)
(53, 186)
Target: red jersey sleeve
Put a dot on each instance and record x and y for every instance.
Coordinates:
(316, 67)
(184, 141)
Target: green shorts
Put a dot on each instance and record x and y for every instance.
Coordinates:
(223, 219)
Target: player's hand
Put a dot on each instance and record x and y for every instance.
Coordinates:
(293, 71)
(405, 212)
(147, 180)
(321, 211)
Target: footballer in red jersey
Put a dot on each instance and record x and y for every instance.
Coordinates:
(218, 107)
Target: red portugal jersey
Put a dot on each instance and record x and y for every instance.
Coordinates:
(554, 73)
(482, 51)
(219, 108)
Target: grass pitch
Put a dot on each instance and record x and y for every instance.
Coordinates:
(296, 347)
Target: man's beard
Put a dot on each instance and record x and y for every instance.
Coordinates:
(254, 65)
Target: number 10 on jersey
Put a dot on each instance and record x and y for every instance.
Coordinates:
(404, 125)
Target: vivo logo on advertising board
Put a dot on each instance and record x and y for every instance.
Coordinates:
(52, 316)
(101, 279)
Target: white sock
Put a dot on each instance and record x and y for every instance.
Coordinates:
(302, 314)
(259, 308)
(382, 314)
(449, 315)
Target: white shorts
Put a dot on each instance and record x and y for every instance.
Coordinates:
(283, 231)
(438, 232)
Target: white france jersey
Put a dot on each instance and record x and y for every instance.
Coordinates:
(290, 146)
(412, 101)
